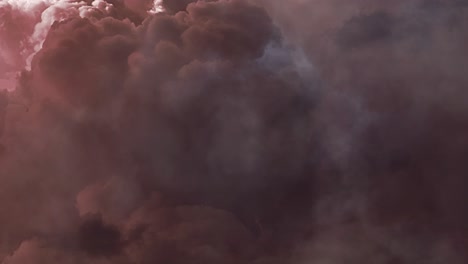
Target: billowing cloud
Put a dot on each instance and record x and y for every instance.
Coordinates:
(232, 131)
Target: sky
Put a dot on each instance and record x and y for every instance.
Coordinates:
(233, 131)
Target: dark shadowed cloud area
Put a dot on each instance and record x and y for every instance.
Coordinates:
(233, 132)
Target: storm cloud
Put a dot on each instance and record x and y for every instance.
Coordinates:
(233, 131)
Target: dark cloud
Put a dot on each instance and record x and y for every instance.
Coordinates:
(184, 105)
(97, 238)
(237, 132)
(365, 29)
(174, 6)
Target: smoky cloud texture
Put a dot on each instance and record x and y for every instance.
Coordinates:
(233, 131)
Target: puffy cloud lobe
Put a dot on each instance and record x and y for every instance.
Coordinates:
(15, 29)
(95, 50)
(25, 24)
(142, 7)
(174, 6)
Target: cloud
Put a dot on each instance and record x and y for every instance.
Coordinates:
(233, 131)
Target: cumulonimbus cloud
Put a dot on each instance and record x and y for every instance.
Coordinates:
(233, 131)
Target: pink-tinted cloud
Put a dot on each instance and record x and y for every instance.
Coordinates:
(233, 131)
